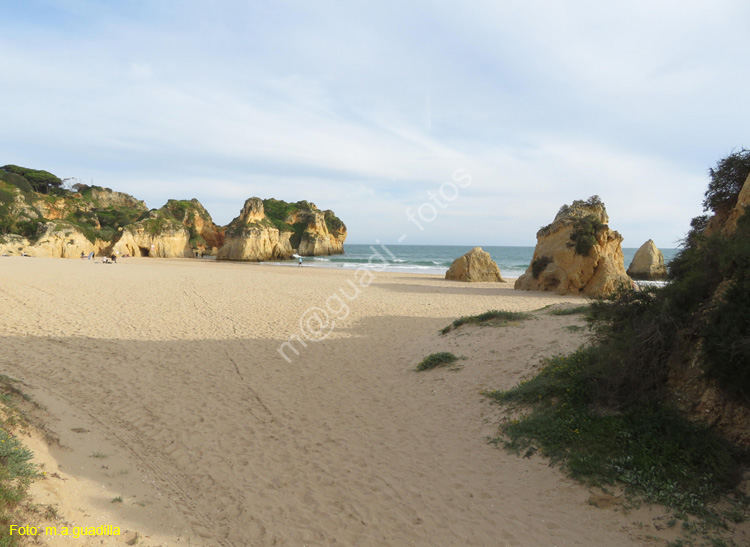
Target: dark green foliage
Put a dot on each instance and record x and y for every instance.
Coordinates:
(437, 359)
(539, 265)
(492, 318)
(651, 449)
(279, 212)
(28, 228)
(16, 180)
(726, 181)
(602, 411)
(334, 224)
(584, 233)
(40, 181)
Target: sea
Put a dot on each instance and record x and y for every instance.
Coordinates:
(433, 259)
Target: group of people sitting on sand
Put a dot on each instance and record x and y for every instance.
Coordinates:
(111, 259)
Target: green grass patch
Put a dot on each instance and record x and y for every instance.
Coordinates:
(570, 311)
(437, 360)
(17, 471)
(651, 449)
(491, 318)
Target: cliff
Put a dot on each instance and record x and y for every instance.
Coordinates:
(253, 237)
(709, 377)
(577, 253)
(273, 229)
(40, 217)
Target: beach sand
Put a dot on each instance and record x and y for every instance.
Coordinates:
(163, 385)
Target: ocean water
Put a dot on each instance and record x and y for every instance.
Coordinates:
(433, 259)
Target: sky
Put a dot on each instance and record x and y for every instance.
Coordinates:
(382, 110)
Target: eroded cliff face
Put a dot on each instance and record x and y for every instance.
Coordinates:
(316, 238)
(154, 237)
(204, 234)
(702, 398)
(253, 237)
(55, 240)
(272, 230)
(115, 222)
(577, 253)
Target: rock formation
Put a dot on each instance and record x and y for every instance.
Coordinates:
(204, 234)
(476, 265)
(54, 240)
(154, 239)
(253, 237)
(648, 263)
(272, 229)
(725, 220)
(42, 218)
(577, 253)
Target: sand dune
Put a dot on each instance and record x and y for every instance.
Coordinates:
(168, 372)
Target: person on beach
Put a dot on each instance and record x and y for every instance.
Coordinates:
(113, 258)
(300, 261)
(82, 255)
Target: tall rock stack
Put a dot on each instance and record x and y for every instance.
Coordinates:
(577, 253)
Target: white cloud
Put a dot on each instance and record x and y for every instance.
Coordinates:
(363, 108)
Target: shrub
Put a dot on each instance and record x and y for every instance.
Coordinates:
(16, 180)
(28, 228)
(584, 233)
(726, 181)
(571, 311)
(436, 360)
(334, 224)
(651, 449)
(493, 318)
(279, 211)
(40, 181)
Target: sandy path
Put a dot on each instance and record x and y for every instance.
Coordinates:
(172, 368)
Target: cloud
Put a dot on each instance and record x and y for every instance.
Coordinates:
(364, 107)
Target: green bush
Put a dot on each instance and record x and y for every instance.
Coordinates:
(40, 181)
(492, 318)
(334, 224)
(436, 360)
(28, 228)
(726, 181)
(279, 211)
(584, 233)
(651, 449)
(16, 180)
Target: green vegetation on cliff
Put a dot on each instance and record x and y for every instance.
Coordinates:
(40, 181)
(33, 201)
(605, 412)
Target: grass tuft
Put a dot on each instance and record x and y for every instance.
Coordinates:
(437, 360)
(571, 311)
(492, 318)
(17, 471)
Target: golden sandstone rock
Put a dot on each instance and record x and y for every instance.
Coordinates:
(290, 228)
(648, 263)
(476, 265)
(577, 253)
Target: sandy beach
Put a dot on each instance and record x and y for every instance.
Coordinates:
(163, 385)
